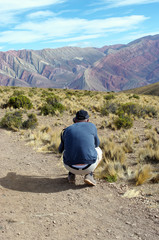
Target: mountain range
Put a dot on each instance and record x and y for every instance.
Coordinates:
(110, 68)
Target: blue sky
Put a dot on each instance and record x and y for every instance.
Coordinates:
(39, 24)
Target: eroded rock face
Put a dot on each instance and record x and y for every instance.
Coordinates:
(134, 65)
(110, 68)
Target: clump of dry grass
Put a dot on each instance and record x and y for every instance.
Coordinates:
(44, 139)
(109, 123)
(149, 155)
(112, 165)
(112, 151)
(127, 141)
(150, 152)
(144, 174)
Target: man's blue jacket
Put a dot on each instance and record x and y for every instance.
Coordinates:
(78, 143)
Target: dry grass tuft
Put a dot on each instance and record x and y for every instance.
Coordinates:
(127, 141)
(44, 139)
(112, 165)
(150, 152)
(144, 174)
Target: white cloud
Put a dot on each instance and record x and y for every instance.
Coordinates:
(114, 24)
(55, 28)
(10, 9)
(12, 5)
(13, 37)
(80, 38)
(118, 3)
(40, 14)
(108, 4)
(7, 18)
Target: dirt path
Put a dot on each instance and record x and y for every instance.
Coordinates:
(36, 202)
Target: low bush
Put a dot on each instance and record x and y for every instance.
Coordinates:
(52, 100)
(137, 110)
(134, 96)
(109, 107)
(33, 91)
(150, 111)
(109, 97)
(49, 109)
(69, 94)
(31, 122)
(20, 101)
(12, 120)
(18, 92)
(6, 89)
(52, 106)
(129, 109)
(48, 93)
(123, 122)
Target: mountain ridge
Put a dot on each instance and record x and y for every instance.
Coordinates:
(110, 68)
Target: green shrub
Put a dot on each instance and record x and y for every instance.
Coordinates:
(109, 107)
(123, 122)
(69, 94)
(150, 111)
(134, 96)
(50, 89)
(32, 92)
(109, 97)
(31, 122)
(110, 178)
(51, 109)
(52, 100)
(18, 92)
(129, 108)
(20, 101)
(137, 110)
(51, 106)
(148, 126)
(12, 121)
(46, 93)
(6, 89)
(47, 109)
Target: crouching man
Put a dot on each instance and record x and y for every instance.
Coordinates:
(80, 147)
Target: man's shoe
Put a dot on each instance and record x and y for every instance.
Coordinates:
(89, 179)
(71, 177)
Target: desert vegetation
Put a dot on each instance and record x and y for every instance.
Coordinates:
(127, 123)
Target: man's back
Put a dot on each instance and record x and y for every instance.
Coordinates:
(79, 142)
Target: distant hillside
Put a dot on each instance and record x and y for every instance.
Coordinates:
(55, 68)
(110, 68)
(152, 89)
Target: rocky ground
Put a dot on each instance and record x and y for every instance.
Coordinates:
(37, 202)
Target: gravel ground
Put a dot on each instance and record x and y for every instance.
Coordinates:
(37, 202)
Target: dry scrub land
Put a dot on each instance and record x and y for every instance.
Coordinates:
(36, 200)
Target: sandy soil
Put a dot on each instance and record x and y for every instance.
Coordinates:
(37, 202)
